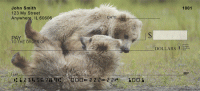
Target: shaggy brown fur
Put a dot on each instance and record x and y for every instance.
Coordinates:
(96, 62)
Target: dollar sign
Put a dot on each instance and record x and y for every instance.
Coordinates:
(150, 35)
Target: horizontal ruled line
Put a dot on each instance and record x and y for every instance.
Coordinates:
(77, 50)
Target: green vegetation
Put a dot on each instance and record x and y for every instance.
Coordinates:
(158, 68)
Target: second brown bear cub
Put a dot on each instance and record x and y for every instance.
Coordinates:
(98, 62)
(68, 27)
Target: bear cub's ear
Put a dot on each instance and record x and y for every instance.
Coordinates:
(102, 47)
(122, 17)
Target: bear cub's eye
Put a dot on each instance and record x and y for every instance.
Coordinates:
(90, 40)
(125, 36)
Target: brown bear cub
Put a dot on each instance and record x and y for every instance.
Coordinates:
(50, 69)
(68, 27)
